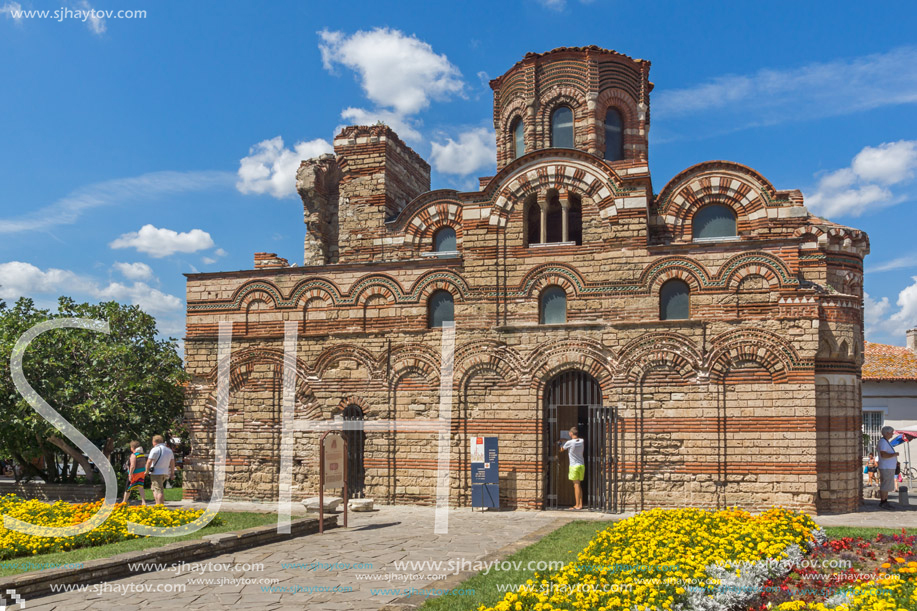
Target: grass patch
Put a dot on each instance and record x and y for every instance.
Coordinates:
(563, 544)
(231, 521)
(839, 532)
(170, 494)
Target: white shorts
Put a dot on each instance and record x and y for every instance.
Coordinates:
(887, 480)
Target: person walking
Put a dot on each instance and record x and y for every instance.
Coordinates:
(136, 470)
(888, 461)
(872, 468)
(577, 466)
(161, 466)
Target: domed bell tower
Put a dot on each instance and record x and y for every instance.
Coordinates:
(588, 98)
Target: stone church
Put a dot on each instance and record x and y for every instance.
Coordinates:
(706, 337)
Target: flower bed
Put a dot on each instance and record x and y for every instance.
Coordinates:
(673, 560)
(695, 560)
(873, 575)
(14, 544)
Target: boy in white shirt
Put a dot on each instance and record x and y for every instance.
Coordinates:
(577, 465)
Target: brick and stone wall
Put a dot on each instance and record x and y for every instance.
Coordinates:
(752, 401)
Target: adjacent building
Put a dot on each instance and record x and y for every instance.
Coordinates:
(889, 388)
(704, 333)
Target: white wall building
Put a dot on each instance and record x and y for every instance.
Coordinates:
(889, 388)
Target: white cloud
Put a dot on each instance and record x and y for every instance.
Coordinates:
(208, 260)
(134, 271)
(94, 21)
(270, 167)
(141, 294)
(814, 90)
(474, 150)
(880, 320)
(400, 74)
(554, 5)
(19, 279)
(888, 164)
(396, 71)
(12, 11)
(159, 242)
(865, 185)
(220, 252)
(403, 126)
(68, 209)
(906, 316)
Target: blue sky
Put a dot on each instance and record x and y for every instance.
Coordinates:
(135, 150)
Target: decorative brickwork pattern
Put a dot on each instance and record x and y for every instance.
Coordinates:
(753, 400)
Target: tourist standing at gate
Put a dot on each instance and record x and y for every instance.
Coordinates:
(161, 466)
(888, 461)
(577, 465)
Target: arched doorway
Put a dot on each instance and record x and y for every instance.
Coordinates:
(574, 398)
(356, 442)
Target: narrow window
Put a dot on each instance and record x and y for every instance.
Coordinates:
(355, 435)
(674, 301)
(714, 221)
(575, 221)
(553, 306)
(444, 240)
(614, 136)
(555, 220)
(562, 128)
(533, 223)
(518, 130)
(440, 309)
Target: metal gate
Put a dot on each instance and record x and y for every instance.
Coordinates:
(356, 440)
(574, 398)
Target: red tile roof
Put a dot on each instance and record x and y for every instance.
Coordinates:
(885, 363)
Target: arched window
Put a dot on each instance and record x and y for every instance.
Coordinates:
(614, 136)
(562, 128)
(444, 240)
(553, 306)
(674, 300)
(440, 309)
(714, 221)
(356, 443)
(518, 130)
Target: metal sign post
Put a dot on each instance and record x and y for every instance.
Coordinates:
(336, 472)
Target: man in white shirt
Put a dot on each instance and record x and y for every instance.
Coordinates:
(888, 461)
(160, 464)
(577, 465)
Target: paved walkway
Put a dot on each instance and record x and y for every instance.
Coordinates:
(355, 568)
(372, 544)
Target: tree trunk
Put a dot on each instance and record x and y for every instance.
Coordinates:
(109, 448)
(75, 455)
(28, 468)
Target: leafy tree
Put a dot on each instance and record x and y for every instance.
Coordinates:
(112, 387)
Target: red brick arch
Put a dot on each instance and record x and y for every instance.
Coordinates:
(548, 102)
(658, 350)
(551, 358)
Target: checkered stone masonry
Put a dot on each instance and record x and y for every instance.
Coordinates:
(753, 401)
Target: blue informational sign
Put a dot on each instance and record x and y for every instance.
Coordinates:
(485, 472)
